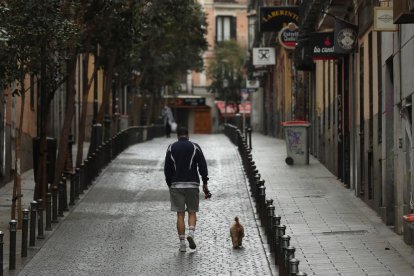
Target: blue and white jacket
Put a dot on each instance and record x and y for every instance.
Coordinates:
(183, 162)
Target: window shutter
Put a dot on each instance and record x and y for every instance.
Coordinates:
(233, 28)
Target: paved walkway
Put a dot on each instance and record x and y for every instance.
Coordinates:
(123, 225)
(335, 233)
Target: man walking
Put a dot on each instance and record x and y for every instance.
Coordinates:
(168, 119)
(184, 162)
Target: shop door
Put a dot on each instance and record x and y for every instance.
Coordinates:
(202, 121)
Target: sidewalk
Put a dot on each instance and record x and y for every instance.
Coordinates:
(6, 194)
(334, 232)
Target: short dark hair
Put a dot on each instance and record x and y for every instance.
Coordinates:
(182, 131)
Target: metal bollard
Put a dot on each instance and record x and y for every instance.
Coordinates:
(25, 231)
(65, 194)
(276, 223)
(55, 204)
(94, 166)
(260, 204)
(1, 252)
(77, 183)
(270, 216)
(284, 243)
(12, 254)
(259, 184)
(85, 172)
(254, 185)
(82, 185)
(266, 221)
(40, 232)
(60, 201)
(72, 189)
(249, 131)
(294, 267)
(48, 206)
(32, 235)
(280, 231)
(289, 255)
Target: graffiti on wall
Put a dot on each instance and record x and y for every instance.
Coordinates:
(295, 142)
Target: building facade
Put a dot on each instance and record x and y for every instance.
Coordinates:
(226, 20)
(359, 101)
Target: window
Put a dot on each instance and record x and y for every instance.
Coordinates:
(225, 28)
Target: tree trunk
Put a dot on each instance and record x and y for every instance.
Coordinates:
(17, 188)
(69, 113)
(109, 72)
(82, 120)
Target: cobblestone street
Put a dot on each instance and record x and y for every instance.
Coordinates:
(124, 225)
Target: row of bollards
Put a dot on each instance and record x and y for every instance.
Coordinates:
(278, 240)
(42, 214)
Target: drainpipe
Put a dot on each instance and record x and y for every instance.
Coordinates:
(3, 134)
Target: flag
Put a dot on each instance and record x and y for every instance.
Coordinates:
(346, 37)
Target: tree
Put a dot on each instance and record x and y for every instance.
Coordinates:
(41, 36)
(227, 65)
(169, 40)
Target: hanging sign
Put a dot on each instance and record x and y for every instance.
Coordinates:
(321, 46)
(288, 36)
(272, 19)
(346, 37)
(264, 56)
(384, 20)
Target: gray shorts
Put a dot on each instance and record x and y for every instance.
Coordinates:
(184, 199)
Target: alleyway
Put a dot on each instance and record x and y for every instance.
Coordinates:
(123, 226)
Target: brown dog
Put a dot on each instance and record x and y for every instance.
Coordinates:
(237, 233)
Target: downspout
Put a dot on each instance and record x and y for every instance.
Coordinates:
(3, 134)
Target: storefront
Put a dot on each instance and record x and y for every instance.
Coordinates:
(192, 112)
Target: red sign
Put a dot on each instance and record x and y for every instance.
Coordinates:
(231, 109)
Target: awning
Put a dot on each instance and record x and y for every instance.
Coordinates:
(244, 108)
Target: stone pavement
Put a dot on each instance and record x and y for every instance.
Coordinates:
(123, 225)
(334, 232)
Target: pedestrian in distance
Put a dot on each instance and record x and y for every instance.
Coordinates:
(184, 162)
(168, 120)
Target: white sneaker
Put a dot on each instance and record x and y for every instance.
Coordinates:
(191, 242)
(183, 247)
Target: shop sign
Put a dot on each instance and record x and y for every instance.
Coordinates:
(272, 19)
(384, 20)
(252, 83)
(264, 56)
(346, 37)
(288, 36)
(322, 46)
(188, 102)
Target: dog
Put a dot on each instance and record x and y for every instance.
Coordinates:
(237, 234)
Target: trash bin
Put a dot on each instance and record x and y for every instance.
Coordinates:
(296, 133)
